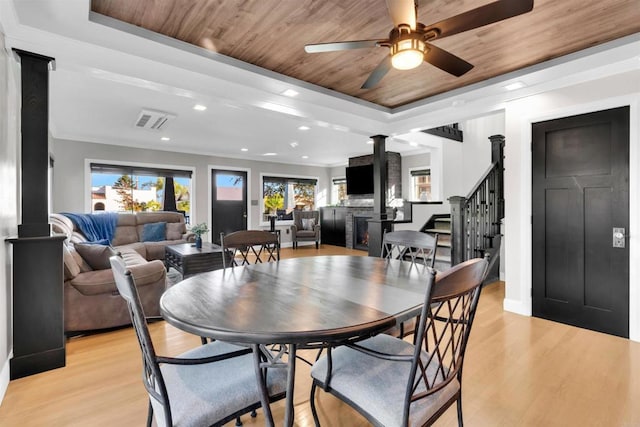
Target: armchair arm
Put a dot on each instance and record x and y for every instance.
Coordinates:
(294, 230)
(189, 237)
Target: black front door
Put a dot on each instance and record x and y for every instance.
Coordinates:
(580, 218)
(228, 202)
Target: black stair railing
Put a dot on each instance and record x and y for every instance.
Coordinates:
(475, 219)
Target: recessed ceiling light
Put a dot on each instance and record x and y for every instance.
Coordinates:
(514, 85)
(165, 138)
(270, 154)
(370, 141)
(413, 144)
(290, 93)
(304, 127)
(199, 107)
(415, 130)
(294, 144)
(305, 157)
(244, 149)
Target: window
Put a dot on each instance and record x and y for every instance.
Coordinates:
(338, 191)
(281, 195)
(119, 188)
(421, 184)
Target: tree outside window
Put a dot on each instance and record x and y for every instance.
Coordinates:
(282, 195)
(136, 189)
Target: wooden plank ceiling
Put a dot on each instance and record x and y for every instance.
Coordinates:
(272, 34)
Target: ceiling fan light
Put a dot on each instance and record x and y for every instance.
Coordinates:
(407, 53)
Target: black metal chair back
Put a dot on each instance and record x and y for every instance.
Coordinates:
(152, 376)
(249, 247)
(409, 245)
(443, 331)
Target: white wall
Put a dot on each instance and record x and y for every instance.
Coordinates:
(70, 176)
(9, 110)
(621, 90)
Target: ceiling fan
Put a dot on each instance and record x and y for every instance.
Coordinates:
(409, 41)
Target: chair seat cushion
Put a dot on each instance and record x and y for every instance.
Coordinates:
(306, 233)
(204, 394)
(378, 386)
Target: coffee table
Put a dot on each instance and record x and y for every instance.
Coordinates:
(189, 260)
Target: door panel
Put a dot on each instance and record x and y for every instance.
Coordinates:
(228, 202)
(580, 193)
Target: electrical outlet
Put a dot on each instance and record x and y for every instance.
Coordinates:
(287, 231)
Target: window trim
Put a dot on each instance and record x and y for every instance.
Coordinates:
(287, 176)
(141, 165)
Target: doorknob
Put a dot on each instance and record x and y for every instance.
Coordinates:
(618, 237)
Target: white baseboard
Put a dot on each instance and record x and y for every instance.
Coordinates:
(516, 306)
(4, 377)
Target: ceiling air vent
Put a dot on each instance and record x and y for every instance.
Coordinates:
(153, 120)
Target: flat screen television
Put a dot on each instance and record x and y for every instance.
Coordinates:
(360, 179)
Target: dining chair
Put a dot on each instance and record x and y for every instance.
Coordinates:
(416, 247)
(249, 247)
(392, 382)
(410, 245)
(207, 386)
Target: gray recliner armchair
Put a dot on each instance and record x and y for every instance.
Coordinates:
(306, 227)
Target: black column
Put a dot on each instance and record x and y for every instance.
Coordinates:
(38, 314)
(379, 223)
(35, 145)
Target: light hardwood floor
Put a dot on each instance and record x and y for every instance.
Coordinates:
(519, 371)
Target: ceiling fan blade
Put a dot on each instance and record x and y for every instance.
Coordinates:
(446, 61)
(402, 12)
(336, 46)
(483, 15)
(378, 73)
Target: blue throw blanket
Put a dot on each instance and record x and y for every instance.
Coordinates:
(97, 228)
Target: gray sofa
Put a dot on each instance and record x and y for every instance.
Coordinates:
(91, 299)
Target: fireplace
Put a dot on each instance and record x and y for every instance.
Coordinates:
(361, 232)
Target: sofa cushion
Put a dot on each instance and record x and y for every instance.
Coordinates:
(97, 256)
(101, 281)
(71, 267)
(125, 234)
(138, 247)
(160, 216)
(131, 256)
(95, 282)
(84, 267)
(176, 230)
(154, 232)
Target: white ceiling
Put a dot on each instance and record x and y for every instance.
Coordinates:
(104, 76)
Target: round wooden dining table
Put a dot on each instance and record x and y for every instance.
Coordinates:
(296, 302)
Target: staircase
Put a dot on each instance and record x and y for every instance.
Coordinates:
(476, 218)
(441, 224)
